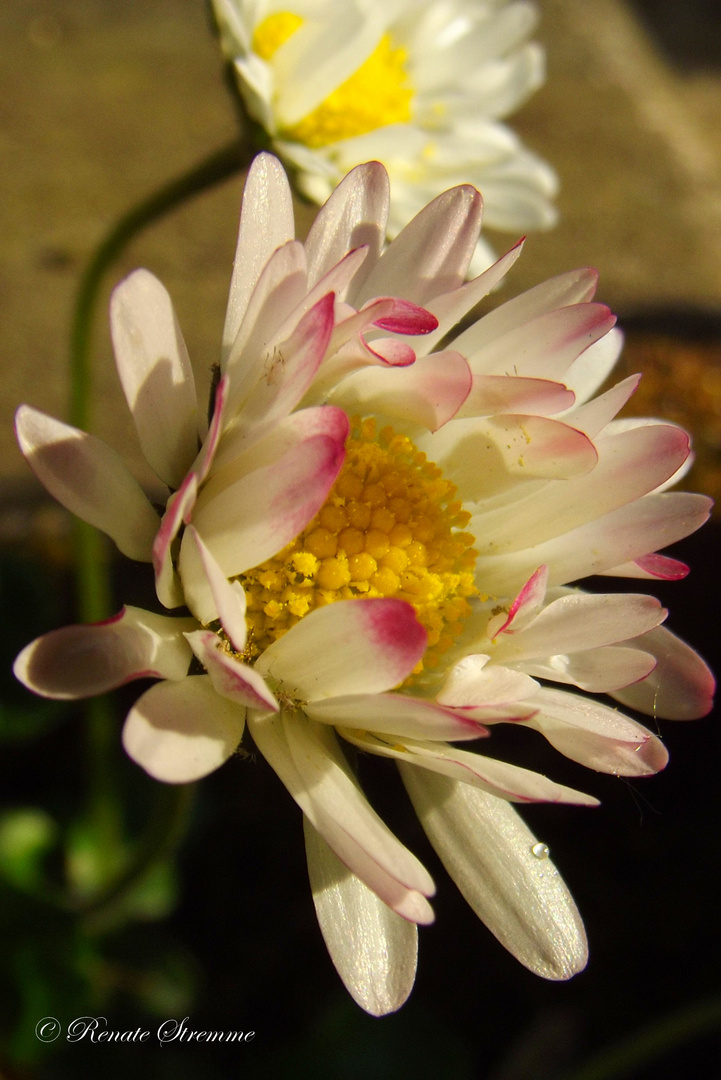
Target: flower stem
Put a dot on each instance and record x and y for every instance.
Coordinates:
(659, 1037)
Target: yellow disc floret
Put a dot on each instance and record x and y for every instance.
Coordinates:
(390, 527)
(378, 93)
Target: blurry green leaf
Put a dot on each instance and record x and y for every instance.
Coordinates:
(25, 837)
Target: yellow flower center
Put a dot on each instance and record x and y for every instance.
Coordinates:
(390, 527)
(378, 93)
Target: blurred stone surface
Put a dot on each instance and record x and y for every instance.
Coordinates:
(102, 102)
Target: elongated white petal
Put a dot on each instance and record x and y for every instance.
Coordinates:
(230, 677)
(228, 597)
(580, 621)
(489, 853)
(156, 375)
(595, 735)
(525, 606)
(373, 950)
(354, 216)
(181, 731)
(430, 256)
(90, 479)
(680, 687)
(308, 760)
(352, 646)
(266, 222)
(81, 661)
(401, 716)
(180, 505)
(492, 394)
(598, 671)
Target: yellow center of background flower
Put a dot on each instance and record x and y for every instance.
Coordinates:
(390, 527)
(377, 94)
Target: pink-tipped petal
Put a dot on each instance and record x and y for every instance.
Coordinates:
(181, 731)
(81, 661)
(254, 518)
(391, 351)
(489, 853)
(90, 479)
(352, 646)
(156, 375)
(373, 949)
(399, 716)
(491, 394)
(428, 393)
(524, 608)
(179, 506)
(431, 254)
(596, 736)
(680, 687)
(230, 677)
(543, 348)
(228, 597)
(407, 318)
(579, 621)
(496, 777)
(651, 567)
(308, 760)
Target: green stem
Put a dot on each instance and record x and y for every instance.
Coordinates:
(651, 1042)
(219, 166)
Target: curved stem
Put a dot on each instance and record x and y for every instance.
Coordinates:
(650, 1042)
(219, 166)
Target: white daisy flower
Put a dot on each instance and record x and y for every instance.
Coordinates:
(421, 593)
(420, 85)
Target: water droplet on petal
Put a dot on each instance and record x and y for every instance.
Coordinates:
(540, 851)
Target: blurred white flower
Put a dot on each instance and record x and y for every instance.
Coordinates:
(421, 85)
(378, 536)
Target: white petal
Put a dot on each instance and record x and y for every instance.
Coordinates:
(228, 597)
(428, 393)
(431, 254)
(489, 853)
(308, 760)
(81, 661)
(680, 687)
(181, 731)
(354, 216)
(266, 222)
(496, 777)
(351, 646)
(373, 949)
(90, 479)
(402, 716)
(230, 677)
(595, 735)
(156, 375)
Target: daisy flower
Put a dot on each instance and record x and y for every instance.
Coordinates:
(406, 583)
(421, 86)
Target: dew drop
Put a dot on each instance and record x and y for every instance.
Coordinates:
(540, 851)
